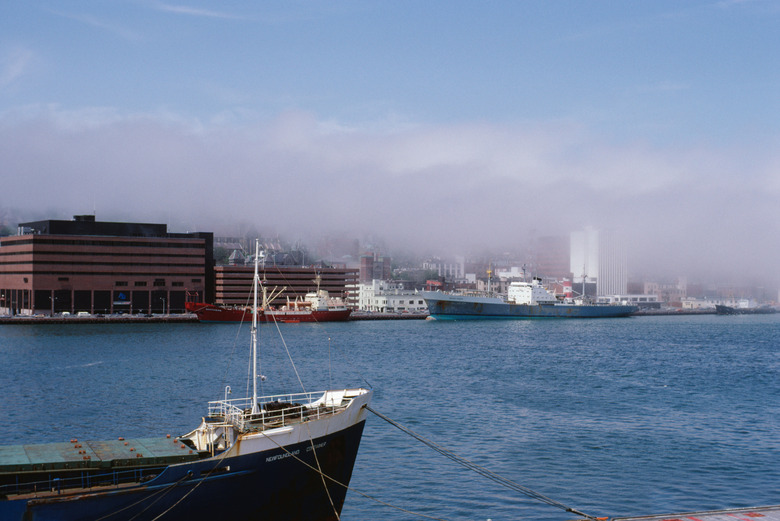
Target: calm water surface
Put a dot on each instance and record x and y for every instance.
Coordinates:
(612, 417)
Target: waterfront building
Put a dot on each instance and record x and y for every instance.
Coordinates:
(382, 296)
(640, 300)
(374, 267)
(671, 294)
(233, 284)
(57, 266)
(613, 265)
(496, 285)
(515, 272)
(454, 269)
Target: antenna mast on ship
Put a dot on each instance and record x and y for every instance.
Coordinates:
(255, 284)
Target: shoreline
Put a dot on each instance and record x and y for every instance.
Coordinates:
(186, 318)
(183, 318)
(114, 319)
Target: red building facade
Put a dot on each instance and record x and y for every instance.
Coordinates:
(233, 284)
(53, 267)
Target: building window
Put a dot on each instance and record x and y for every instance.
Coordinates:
(195, 280)
(140, 283)
(177, 284)
(159, 282)
(120, 283)
(63, 279)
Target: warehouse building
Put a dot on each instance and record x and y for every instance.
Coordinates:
(233, 284)
(84, 265)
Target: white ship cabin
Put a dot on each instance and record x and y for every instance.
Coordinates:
(531, 293)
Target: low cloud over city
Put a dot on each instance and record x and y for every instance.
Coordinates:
(434, 189)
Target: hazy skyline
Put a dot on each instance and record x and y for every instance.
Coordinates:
(436, 126)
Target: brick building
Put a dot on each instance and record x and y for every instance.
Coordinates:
(233, 284)
(58, 266)
(374, 267)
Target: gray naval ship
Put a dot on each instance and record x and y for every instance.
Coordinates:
(524, 300)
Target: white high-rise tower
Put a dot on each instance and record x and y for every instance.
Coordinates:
(599, 256)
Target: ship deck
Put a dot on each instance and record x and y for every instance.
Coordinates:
(768, 513)
(76, 454)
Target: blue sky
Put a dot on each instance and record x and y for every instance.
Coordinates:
(459, 124)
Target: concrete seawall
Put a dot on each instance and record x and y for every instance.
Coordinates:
(111, 319)
(182, 318)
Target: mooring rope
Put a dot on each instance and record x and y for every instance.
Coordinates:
(319, 468)
(200, 481)
(347, 487)
(483, 471)
(160, 492)
(164, 490)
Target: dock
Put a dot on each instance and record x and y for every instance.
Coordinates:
(171, 319)
(94, 319)
(768, 513)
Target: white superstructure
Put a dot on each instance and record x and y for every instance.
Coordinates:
(521, 292)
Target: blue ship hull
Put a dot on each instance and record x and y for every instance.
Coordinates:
(456, 307)
(267, 485)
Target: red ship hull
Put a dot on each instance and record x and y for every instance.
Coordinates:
(213, 313)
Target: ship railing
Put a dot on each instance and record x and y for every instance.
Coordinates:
(85, 479)
(277, 410)
(474, 293)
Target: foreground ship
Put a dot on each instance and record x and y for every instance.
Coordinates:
(275, 457)
(524, 300)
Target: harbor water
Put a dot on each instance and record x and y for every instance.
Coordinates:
(613, 417)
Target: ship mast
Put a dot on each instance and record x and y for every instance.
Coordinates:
(255, 284)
